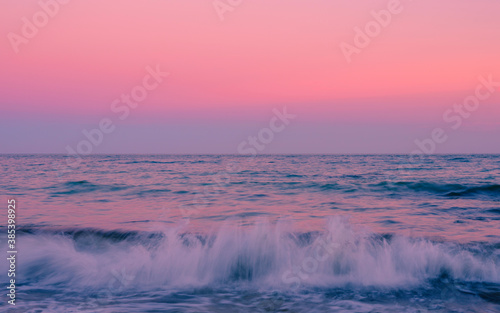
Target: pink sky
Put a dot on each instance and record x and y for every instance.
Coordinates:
(227, 76)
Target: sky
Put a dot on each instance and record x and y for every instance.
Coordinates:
(357, 76)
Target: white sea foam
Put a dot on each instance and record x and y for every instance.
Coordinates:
(264, 255)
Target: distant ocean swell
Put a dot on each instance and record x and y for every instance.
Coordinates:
(402, 187)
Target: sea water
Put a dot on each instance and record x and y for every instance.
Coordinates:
(271, 233)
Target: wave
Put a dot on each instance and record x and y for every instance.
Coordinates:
(264, 255)
(151, 162)
(83, 186)
(485, 189)
(395, 187)
(449, 190)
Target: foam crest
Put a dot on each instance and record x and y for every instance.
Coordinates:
(264, 255)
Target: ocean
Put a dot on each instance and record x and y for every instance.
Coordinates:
(271, 233)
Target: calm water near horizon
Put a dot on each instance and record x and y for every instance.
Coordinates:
(274, 233)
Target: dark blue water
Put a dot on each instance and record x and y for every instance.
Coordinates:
(369, 233)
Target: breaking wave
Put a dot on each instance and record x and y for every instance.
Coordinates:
(263, 255)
